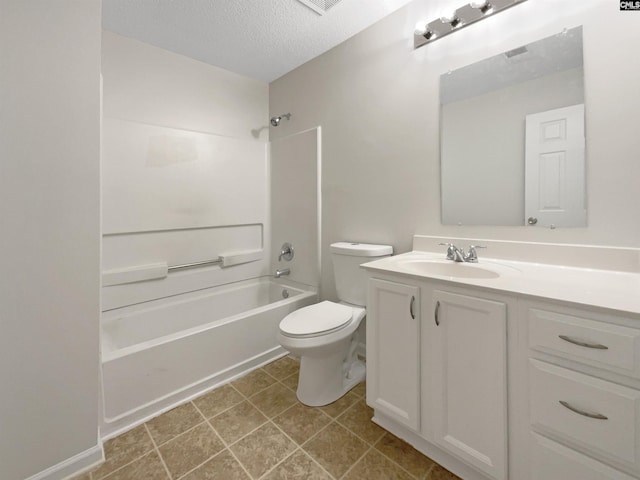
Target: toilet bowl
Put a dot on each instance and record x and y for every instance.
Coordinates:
(325, 335)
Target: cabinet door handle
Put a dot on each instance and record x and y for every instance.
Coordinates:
(413, 299)
(436, 313)
(583, 344)
(597, 416)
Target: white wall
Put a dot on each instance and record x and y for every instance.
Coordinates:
(295, 204)
(377, 102)
(50, 243)
(184, 169)
(147, 84)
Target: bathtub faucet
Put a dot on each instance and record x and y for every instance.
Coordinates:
(281, 272)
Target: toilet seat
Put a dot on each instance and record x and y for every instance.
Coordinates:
(318, 319)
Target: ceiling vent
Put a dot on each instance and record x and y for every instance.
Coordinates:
(319, 6)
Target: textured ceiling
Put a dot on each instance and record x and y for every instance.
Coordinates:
(262, 39)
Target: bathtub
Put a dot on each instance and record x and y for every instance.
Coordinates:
(161, 353)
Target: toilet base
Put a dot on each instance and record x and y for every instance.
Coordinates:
(319, 385)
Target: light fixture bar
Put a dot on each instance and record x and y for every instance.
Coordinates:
(460, 18)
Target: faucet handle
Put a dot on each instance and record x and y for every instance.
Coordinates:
(286, 252)
(450, 250)
(472, 256)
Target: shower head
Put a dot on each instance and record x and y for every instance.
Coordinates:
(275, 121)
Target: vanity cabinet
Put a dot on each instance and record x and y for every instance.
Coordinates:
(497, 386)
(440, 370)
(584, 392)
(525, 371)
(393, 351)
(465, 345)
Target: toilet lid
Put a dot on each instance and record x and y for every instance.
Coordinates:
(322, 317)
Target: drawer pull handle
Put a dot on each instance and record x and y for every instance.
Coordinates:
(583, 344)
(436, 313)
(413, 300)
(597, 416)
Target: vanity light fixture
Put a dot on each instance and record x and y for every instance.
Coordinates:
(458, 19)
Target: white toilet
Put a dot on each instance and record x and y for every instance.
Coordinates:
(324, 335)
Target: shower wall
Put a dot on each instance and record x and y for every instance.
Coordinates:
(184, 172)
(296, 203)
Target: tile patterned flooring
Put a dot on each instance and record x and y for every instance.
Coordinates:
(255, 428)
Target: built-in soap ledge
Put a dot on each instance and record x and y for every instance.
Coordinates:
(620, 259)
(160, 270)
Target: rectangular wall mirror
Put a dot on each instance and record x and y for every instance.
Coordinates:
(512, 137)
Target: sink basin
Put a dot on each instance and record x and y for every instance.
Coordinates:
(449, 269)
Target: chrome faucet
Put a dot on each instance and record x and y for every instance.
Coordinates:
(472, 256)
(457, 254)
(282, 271)
(454, 253)
(286, 252)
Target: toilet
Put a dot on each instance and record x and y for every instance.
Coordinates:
(325, 335)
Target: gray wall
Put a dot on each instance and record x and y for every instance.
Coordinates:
(50, 244)
(377, 101)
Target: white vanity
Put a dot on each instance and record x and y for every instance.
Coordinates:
(510, 369)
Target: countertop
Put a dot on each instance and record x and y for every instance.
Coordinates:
(608, 289)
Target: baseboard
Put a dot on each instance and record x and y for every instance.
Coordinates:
(82, 462)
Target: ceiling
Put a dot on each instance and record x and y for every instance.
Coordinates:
(553, 54)
(262, 39)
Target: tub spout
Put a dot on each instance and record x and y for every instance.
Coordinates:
(282, 271)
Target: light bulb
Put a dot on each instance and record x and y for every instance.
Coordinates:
(447, 14)
(483, 5)
(421, 28)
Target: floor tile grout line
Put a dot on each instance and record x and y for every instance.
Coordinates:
(398, 464)
(231, 444)
(147, 452)
(306, 442)
(299, 446)
(428, 474)
(264, 413)
(279, 463)
(201, 464)
(358, 436)
(357, 461)
(221, 411)
(175, 436)
(226, 447)
(259, 391)
(157, 450)
(240, 439)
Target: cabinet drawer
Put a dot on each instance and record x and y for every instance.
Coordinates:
(600, 344)
(550, 460)
(613, 433)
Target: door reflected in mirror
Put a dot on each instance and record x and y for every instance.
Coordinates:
(512, 141)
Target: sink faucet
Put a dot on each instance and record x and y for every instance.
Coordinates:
(282, 271)
(457, 254)
(454, 253)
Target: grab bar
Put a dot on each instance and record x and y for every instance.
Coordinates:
(155, 271)
(196, 264)
(226, 260)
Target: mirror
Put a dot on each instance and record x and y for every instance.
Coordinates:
(512, 143)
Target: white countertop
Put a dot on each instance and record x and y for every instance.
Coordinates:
(609, 289)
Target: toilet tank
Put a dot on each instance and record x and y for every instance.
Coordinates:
(351, 280)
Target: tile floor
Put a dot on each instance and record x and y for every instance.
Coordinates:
(255, 428)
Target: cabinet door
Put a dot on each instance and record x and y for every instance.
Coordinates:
(468, 379)
(393, 351)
